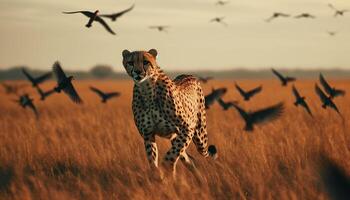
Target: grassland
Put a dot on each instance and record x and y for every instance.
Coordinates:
(94, 151)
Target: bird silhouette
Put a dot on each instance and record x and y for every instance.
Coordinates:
(276, 15)
(226, 105)
(248, 94)
(160, 28)
(65, 83)
(219, 20)
(334, 178)
(44, 94)
(221, 3)
(299, 100)
(204, 79)
(260, 116)
(331, 33)
(36, 81)
(214, 96)
(331, 91)
(336, 11)
(25, 101)
(93, 16)
(284, 80)
(104, 96)
(326, 101)
(114, 16)
(305, 15)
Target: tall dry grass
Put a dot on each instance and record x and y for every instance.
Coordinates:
(94, 151)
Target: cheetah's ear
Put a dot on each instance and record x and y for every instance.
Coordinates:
(153, 52)
(125, 53)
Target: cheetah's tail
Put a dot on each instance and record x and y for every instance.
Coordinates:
(213, 152)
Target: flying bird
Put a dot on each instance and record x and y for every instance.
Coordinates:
(248, 94)
(104, 96)
(65, 83)
(331, 33)
(260, 116)
(114, 16)
(25, 101)
(221, 3)
(305, 15)
(300, 100)
(219, 20)
(44, 94)
(204, 79)
(93, 16)
(284, 80)
(276, 15)
(160, 28)
(335, 179)
(226, 105)
(331, 91)
(36, 81)
(336, 11)
(214, 96)
(326, 101)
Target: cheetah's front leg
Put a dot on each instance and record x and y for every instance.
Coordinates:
(179, 146)
(152, 154)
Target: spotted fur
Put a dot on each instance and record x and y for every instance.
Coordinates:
(174, 109)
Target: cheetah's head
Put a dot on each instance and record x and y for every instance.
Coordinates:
(140, 65)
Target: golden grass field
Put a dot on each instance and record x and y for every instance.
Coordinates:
(93, 151)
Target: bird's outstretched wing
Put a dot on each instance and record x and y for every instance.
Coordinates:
(104, 24)
(254, 91)
(112, 94)
(304, 104)
(58, 71)
(295, 92)
(242, 112)
(325, 85)
(114, 16)
(331, 6)
(338, 92)
(97, 91)
(226, 105)
(278, 74)
(40, 91)
(86, 13)
(29, 77)
(269, 19)
(72, 93)
(44, 77)
(32, 106)
(332, 105)
(267, 114)
(240, 90)
(320, 94)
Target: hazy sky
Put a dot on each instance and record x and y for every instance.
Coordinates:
(35, 33)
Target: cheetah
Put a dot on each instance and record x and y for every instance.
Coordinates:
(172, 109)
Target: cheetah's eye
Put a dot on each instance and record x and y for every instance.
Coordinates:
(130, 63)
(146, 62)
